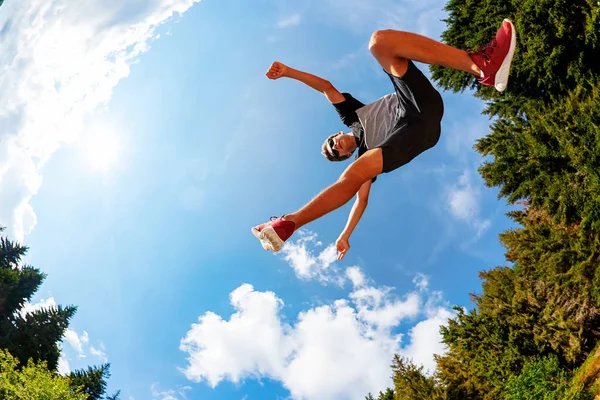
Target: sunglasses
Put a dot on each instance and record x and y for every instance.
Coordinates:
(334, 152)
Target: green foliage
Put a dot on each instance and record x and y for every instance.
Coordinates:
(550, 156)
(480, 356)
(92, 381)
(557, 43)
(536, 321)
(35, 336)
(17, 285)
(410, 382)
(33, 381)
(116, 395)
(387, 395)
(541, 379)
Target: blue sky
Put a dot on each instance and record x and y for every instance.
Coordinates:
(140, 141)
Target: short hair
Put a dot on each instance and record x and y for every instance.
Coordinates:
(330, 156)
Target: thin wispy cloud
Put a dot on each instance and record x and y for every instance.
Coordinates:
(289, 21)
(460, 136)
(464, 201)
(159, 393)
(76, 341)
(308, 265)
(365, 16)
(100, 353)
(72, 341)
(192, 178)
(60, 65)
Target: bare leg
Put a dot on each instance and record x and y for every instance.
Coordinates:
(393, 48)
(338, 194)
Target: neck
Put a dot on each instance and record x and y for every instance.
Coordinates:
(353, 140)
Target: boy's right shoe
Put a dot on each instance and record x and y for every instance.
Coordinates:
(494, 58)
(274, 233)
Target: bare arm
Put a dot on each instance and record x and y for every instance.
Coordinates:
(360, 204)
(279, 70)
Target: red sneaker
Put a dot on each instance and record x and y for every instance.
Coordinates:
(494, 58)
(273, 234)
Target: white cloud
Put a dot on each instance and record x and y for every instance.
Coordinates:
(252, 342)
(356, 276)
(99, 353)
(306, 265)
(289, 21)
(76, 341)
(421, 281)
(79, 343)
(63, 365)
(169, 394)
(44, 304)
(425, 339)
(380, 310)
(60, 61)
(463, 203)
(333, 351)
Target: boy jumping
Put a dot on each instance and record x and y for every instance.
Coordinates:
(391, 131)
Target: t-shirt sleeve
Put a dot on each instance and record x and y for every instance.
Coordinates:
(347, 109)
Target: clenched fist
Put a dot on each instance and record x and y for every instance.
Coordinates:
(277, 70)
(342, 246)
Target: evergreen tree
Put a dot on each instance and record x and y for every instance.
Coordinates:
(411, 383)
(541, 379)
(92, 381)
(556, 48)
(35, 335)
(534, 322)
(387, 395)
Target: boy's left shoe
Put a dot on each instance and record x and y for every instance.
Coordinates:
(273, 234)
(494, 59)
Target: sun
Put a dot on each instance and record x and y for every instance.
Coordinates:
(101, 150)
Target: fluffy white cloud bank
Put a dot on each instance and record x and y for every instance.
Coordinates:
(336, 351)
(60, 61)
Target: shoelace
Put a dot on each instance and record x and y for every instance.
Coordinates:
(487, 50)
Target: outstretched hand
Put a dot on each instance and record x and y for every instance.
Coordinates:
(277, 70)
(342, 246)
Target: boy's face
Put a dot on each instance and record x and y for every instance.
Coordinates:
(340, 145)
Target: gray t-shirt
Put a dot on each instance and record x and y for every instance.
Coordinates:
(378, 119)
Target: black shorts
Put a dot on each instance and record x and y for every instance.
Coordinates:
(419, 114)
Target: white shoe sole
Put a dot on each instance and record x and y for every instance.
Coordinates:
(501, 80)
(268, 239)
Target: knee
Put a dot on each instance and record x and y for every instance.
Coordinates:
(379, 40)
(365, 168)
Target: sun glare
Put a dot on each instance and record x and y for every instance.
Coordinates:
(101, 150)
